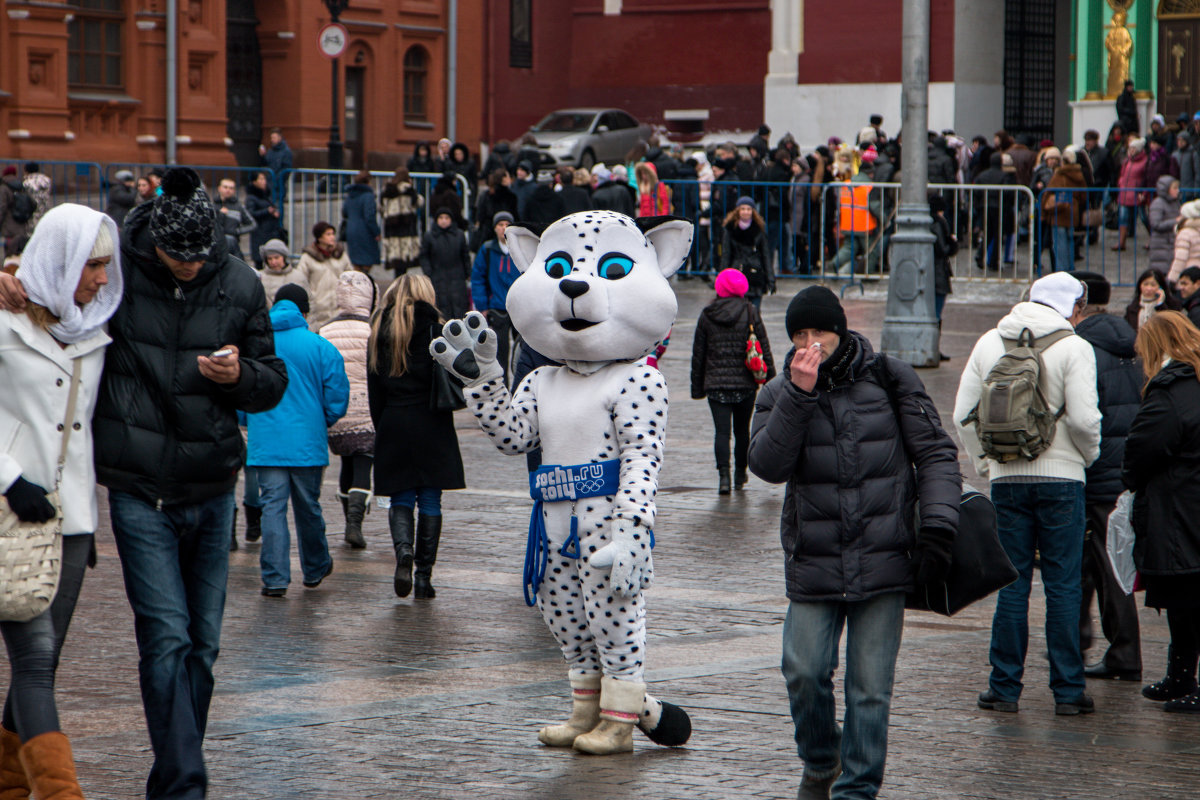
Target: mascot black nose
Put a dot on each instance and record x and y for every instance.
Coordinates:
(573, 289)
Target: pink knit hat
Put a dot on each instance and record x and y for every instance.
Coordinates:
(731, 283)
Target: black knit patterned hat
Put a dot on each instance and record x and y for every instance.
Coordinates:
(183, 222)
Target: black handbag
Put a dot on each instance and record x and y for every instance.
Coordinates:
(445, 393)
(978, 564)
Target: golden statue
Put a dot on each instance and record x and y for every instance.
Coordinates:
(1119, 45)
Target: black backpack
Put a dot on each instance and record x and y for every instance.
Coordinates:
(23, 205)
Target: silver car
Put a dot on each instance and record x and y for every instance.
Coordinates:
(585, 136)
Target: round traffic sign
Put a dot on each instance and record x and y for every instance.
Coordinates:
(333, 39)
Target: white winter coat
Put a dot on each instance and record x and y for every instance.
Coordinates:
(36, 375)
(1068, 379)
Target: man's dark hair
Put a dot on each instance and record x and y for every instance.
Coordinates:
(1192, 273)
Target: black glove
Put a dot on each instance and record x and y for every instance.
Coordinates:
(932, 555)
(28, 501)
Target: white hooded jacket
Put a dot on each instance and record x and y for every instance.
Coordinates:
(1068, 381)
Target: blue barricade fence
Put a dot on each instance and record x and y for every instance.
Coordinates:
(1089, 238)
(70, 181)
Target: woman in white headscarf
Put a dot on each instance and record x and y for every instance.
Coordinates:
(72, 274)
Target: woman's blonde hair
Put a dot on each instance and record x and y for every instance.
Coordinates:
(392, 325)
(1168, 334)
(41, 316)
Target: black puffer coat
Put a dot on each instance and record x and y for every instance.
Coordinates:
(847, 525)
(747, 250)
(445, 259)
(1161, 466)
(1119, 379)
(719, 347)
(415, 446)
(163, 431)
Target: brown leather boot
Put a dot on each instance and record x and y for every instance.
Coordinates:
(13, 783)
(51, 767)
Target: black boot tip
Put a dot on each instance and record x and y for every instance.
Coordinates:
(674, 727)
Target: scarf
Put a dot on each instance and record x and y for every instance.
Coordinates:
(53, 262)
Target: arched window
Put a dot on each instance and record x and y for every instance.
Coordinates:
(416, 70)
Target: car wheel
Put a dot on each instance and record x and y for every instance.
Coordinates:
(587, 160)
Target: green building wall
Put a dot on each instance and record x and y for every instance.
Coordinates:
(1090, 67)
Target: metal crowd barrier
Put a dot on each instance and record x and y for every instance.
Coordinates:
(79, 182)
(315, 195)
(805, 241)
(1095, 236)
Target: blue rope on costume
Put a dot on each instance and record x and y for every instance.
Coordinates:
(552, 483)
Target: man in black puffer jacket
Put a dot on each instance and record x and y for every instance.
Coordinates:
(828, 427)
(168, 449)
(1119, 380)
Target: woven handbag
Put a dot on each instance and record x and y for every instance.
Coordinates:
(31, 552)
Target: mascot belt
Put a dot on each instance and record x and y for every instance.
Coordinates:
(552, 483)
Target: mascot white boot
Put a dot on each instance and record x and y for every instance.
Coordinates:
(593, 295)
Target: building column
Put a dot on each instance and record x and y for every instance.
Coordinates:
(783, 72)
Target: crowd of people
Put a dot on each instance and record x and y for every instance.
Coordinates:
(175, 367)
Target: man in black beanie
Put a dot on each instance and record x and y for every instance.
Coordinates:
(191, 346)
(844, 428)
(1119, 380)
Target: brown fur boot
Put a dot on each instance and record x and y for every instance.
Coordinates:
(13, 783)
(51, 767)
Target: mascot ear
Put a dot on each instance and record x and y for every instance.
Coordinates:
(522, 246)
(672, 240)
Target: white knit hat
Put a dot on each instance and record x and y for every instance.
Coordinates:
(1190, 209)
(1057, 290)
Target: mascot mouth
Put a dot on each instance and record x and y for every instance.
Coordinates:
(576, 324)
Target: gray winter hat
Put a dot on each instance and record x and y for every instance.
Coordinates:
(273, 247)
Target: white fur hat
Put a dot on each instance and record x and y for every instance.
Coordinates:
(1137, 145)
(1190, 209)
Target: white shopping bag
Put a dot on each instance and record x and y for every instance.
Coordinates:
(1120, 542)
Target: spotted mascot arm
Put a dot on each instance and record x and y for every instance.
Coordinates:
(467, 350)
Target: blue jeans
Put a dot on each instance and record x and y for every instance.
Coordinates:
(175, 561)
(811, 634)
(1063, 242)
(303, 485)
(1049, 518)
(427, 498)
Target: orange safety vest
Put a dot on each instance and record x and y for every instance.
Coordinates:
(854, 216)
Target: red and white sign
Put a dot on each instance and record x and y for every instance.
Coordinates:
(333, 39)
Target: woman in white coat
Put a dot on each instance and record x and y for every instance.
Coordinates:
(353, 436)
(71, 272)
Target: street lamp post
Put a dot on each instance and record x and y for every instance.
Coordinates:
(910, 328)
(336, 7)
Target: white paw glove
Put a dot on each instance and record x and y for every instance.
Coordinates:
(467, 350)
(629, 556)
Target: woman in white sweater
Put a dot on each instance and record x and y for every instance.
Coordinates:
(55, 348)
(353, 436)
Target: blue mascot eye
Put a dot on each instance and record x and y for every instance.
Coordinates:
(558, 265)
(614, 266)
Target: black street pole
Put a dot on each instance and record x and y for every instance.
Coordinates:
(336, 152)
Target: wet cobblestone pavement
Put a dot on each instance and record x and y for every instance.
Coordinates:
(345, 691)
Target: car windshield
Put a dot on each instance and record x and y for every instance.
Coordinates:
(565, 122)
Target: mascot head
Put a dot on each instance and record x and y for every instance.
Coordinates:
(593, 286)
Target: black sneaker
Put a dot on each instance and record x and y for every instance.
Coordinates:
(817, 788)
(989, 702)
(317, 582)
(269, 592)
(1080, 705)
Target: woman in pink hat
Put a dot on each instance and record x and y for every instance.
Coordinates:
(720, 371)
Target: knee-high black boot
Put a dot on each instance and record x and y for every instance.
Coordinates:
(429, 533)
(400, 523)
